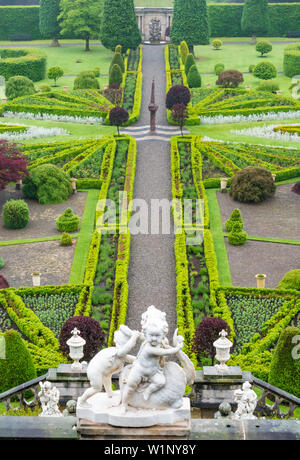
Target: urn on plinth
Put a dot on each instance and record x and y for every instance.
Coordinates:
(222, 346)
(76, 344)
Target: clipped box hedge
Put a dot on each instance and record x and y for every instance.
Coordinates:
(22, 61)
(19, 20)
(291, 60)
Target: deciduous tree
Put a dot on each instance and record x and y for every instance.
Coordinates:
(13, 164)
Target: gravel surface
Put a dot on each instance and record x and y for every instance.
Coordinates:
(152, 278)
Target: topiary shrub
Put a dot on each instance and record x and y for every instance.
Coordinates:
(44, 88)
(251, 68)
(96, 72)
(268, 86)
(216, 43)
(230, 78)
(291, 280)
(285, 365)
(118, 49)
(90, 331)
(184, 51)
(219, 68)
(3, 283)
(178, 94)
(115, 75)
(265, 70)
(54, 73)
(194, 78)
(190, 60)
(236, 217)
(291, 60)
(29, 189)
(237, 235)
(117, 59)
(206, 333)
(86, 80)
(263, 47)
(66, 240)
(18, 86)
(51, 183)
(68, 221)
(252, 185)
(17, 367)
(296, 188)
(15, 214)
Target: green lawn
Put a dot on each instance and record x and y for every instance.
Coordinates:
(239, 56)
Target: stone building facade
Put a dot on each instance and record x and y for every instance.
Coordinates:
(144, 16)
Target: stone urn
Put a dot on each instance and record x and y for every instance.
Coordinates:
(260, 280)
(36, 278)
(223, 183)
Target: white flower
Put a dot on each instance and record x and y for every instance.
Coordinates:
(50, 117)
(268, 132)
(33, 132)
(220, 119)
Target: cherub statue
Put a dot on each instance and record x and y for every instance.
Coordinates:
(49, 398)
(246, 400)
(109, 361)
(147, 366)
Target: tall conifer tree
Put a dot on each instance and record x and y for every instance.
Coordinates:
(255, 18)
(48, 22)
(119, 25)
(190, 23)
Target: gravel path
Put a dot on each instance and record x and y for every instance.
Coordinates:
(152, 278)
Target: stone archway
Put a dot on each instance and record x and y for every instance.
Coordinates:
(147, 15)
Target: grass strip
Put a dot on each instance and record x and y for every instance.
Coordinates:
(216, 229)
(269, 240)
(84, 239)
(34, 240)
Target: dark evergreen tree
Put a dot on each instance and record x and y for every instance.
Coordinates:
(119, 25)
(255, 18)
(48, 22)
(190, 23)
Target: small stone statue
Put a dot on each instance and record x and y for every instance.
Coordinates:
(224, 411)
(49, 397)
(246, 400)
(70, 408)
(155, 30)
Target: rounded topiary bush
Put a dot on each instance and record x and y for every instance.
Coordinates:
(251, 68)
(66, 240)
(190, 60)
(194, 78)
(18, 86)
(43, 88)
(291, 280)
(86, 80)
(18, 366)
(50, 183)
(15, 214)
(29, 189)
(178, 94)
(296, 188)
(90, 331)
(291, 60)
(216, 43)
(68, 221)
(285, 365)
(263, 47)
(3, 282)
(219, 68)
(268, 86)
(265, 70)
(230, 78)
(252, 185)
(236, 217)
(237, 235)
(206, 333)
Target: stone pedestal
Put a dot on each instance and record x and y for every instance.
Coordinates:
(88, 430)
(212, 388)
(71, 384)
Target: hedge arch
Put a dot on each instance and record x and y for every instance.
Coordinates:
(291, 60)
(22, 61)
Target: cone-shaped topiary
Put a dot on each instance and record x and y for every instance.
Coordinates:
(184, 51)
(190, 23)
(235, 217)
(252, 185)
(291, 280)
(115, 75)
(117, 59)
(17, 367)
(68, 221)
(190, 60)
(285, 365)
(237, 235)
(194, 78)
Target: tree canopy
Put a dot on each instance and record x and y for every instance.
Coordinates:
(190, 23)
(255, 18)
(13, 164)
(48, 20)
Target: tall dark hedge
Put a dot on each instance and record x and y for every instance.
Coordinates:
(17, 367)
(255, 17)
(119, 25)
(190, 23)
(49, 11)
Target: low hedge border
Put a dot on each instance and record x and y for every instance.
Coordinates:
(291, 60)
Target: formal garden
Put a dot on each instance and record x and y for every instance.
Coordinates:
(75, 85)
